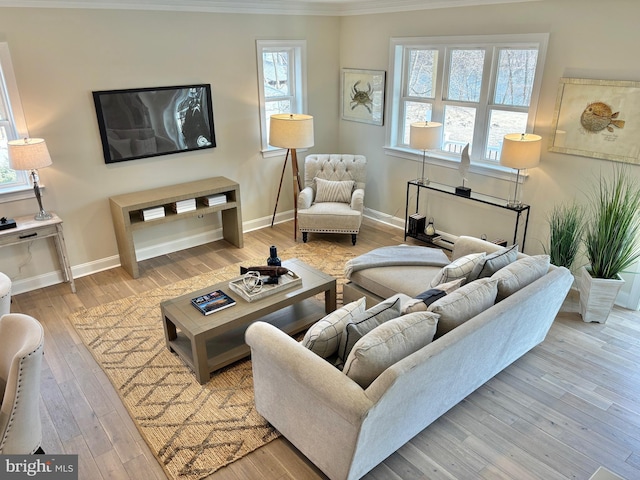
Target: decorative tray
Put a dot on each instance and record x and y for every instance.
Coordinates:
(285, 282)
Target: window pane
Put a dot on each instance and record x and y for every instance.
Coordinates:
(516, 72)
(415, 112)
(422, 73)
(276, 73)
(501, 123)
(465, 75)
(7, 175)
(458, 127)
(273, 108)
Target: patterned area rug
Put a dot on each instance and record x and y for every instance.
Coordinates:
(192, 429)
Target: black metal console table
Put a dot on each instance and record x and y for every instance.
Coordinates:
(475, 197)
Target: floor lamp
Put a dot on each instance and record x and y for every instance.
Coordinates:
(291, 131)
(31, 154)
(424, 136)
(520, 151)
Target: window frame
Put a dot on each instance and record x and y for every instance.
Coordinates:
(398, 53)
(297, 85)
(16, 122)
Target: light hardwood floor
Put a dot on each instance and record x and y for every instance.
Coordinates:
(569, 406)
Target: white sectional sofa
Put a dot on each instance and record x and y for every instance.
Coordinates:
(346, 430)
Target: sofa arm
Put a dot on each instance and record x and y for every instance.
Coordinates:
(305, 198)
(291, 366)
(357, 200)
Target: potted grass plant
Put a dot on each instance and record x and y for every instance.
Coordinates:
(611, 243)
(566, 225)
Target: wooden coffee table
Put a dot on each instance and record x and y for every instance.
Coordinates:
(209, 342)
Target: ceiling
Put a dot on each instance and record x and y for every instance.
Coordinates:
(286, 7)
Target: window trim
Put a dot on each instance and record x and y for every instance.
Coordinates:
(397, 50)
(21, 189)
(299, 84)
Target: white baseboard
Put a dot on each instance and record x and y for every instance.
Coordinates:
(53, 278)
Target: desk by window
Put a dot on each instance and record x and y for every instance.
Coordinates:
(475, 197)
(28, 229)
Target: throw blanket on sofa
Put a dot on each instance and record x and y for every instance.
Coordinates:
(411, 255)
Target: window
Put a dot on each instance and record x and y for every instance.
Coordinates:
(12, 125)
(480, 88)
(282, 82)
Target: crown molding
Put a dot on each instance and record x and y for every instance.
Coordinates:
(273, 7)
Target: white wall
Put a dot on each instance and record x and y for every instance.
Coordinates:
(61, 55)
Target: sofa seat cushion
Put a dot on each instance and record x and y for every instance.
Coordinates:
(460, 268)
(492, 262)
(464, 304)
(387, 281)
(323, 337)
(520, 273)
(363, 323)
(387, 344)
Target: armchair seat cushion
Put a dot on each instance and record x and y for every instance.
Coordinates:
(330, 217)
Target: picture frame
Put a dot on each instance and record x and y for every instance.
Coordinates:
(362, 95)
(147, 122)
(597, 119)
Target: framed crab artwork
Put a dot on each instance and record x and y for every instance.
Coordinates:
(362, 93)
(598, 119)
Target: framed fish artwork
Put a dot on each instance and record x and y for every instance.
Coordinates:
(598, 119)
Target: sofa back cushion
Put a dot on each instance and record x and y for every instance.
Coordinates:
(464, 304)
(323, 337)
(387, 344)
(520, 273)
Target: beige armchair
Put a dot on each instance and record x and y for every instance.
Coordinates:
(332, 200)
(21, 348)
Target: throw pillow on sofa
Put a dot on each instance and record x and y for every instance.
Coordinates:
(464, 304)
(387, 344)
(424, 299)
(363, 323)
(493, 262)
(520, 273)
(323, 337)
(459, 268)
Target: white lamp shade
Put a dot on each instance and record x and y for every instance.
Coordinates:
(521, 150)
(28, 154)
(288, 130)
(425, 135)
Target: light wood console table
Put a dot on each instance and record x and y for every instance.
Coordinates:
(126, 212)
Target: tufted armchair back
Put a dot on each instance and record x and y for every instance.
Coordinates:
(336, 167)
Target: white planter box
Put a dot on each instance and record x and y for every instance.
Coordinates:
(597, 296)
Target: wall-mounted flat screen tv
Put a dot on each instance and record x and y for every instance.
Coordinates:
(146, 122)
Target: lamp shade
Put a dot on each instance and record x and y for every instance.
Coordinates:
(521, 150)
(28, 154)
(289, 130)
(425, 135)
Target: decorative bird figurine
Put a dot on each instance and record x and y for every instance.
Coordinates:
(465, 163)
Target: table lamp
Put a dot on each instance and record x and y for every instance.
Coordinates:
(424, 136)
(31, 154)
(291, 131)
(520, 151)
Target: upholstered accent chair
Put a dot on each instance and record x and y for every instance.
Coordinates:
(332, 200)
(21, 350)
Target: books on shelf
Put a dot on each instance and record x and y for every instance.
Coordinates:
(152, 213)
(182, 206)
(217, 199)
(212, 302)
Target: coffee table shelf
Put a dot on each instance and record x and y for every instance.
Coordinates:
(209, 342)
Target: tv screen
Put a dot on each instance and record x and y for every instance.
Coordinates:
(146, 122)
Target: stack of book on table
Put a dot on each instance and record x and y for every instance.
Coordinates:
(152, 213)
(217, 199)
(184, 205)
